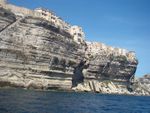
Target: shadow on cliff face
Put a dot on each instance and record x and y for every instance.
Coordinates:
(78, 74)
(8, 14)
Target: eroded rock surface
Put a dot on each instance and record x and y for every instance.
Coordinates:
(32, 51)
(107, 72)
(142, 85)
(36, 54)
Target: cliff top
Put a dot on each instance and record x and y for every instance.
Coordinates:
(76, 31)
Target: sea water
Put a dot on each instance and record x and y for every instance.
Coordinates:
(30, 101)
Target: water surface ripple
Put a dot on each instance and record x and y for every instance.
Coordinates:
(28, 101)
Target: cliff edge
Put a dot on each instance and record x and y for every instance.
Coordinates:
(35, 53)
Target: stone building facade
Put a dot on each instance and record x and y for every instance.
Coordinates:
(53, 18)
(77, 34)
(96, 48)
(131, 55)
(76, 31)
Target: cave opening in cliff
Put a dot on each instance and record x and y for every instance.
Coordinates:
(78, 74)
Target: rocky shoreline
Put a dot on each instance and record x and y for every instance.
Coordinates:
(125, 92)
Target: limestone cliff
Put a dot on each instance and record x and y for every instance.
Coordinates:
(36, 54)
(142, 85)
(106, 71)
(33, 53)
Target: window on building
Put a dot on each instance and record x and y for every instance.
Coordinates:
(79, 34)
(79, 40)
(53, 18)
(75, 33)
(44, 14)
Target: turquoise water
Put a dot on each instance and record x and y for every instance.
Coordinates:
(27, 101)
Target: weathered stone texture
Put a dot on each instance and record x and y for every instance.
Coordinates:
(35, 49)
(142, 85)
(103, 68)
(36, 54)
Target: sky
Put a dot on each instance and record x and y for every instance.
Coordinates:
(118, 23)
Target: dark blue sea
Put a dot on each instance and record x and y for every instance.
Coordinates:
(29, 101)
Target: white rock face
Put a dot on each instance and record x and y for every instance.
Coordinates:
(36, 54)
(102, 87)
(142, 85)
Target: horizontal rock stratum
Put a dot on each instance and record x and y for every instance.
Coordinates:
(33, 53)
(36, 54)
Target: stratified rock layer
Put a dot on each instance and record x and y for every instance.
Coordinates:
(36, 54)
(142, 85)
(107, 73)
(33, 53)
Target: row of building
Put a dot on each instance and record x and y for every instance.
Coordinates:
(76, 31)
(96, 48)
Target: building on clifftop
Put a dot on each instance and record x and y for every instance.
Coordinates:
(3, 1)
(131, 55)
(53, 18)
(77, 33)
